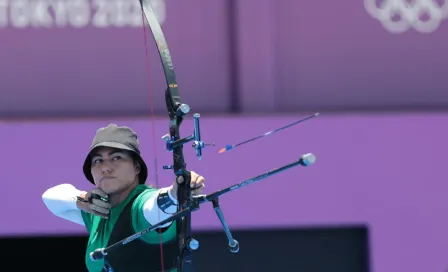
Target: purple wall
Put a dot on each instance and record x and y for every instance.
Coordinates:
(77, 67)
(298, 54)
(311, 55)
(384, 171)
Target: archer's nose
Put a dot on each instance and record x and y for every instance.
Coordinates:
(106, 170)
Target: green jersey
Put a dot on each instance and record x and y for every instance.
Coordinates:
(125, 219)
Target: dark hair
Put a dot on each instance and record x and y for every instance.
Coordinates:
(137, 162)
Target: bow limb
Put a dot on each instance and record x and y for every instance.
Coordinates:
(176, 112)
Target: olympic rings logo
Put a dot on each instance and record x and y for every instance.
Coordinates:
(425, 16)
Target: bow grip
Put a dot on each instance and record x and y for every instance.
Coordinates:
(184, 189)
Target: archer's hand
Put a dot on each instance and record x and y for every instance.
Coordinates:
(93, 203)
(197, 184)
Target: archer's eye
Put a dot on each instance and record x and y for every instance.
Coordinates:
(116, 158)
(96, 161)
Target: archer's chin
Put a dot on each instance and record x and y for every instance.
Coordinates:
(109, 188)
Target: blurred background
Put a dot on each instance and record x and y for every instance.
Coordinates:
(375, 201)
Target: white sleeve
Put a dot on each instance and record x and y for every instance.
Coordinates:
(153, 214)
(61, 201)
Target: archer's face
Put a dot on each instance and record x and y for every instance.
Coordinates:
(113, 170)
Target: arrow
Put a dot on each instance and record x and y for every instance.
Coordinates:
(230, 147)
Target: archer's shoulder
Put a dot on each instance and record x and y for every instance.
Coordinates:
(144, 191)
(143, 188)
(142, 194)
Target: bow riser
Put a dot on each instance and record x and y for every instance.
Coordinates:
(176, 111)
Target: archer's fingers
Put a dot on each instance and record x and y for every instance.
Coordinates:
(98, 209)
(194, 176)
(102, 204)
(99, 192)
(197, 181)
(198, 190)
(94, 212)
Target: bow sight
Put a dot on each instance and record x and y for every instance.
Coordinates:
(198, 145)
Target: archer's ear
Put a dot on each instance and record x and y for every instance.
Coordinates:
(137, 167)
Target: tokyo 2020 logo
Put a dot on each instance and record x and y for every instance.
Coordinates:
(399, 16)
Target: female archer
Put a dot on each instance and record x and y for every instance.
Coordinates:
(121, 204)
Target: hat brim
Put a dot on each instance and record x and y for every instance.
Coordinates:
(110, 144)
(143, 175)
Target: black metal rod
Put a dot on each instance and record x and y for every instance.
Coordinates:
(234, 246)
(305, 160)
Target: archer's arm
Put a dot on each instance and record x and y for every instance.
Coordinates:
(153, 206)
(61, 201)
(148, 205)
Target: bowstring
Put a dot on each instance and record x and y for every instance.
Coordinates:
(153, 132)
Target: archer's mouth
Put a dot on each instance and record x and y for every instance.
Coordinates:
(106, 178)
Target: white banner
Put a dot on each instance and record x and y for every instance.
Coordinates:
(399, 16)
(75, 13)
